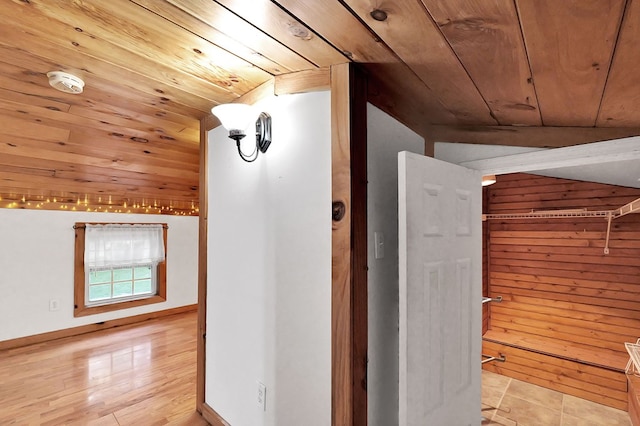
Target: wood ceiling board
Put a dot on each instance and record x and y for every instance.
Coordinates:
(36, 101)
(128, 179)
(11, 126)
(126, 86)
(272, 20)
(95, 57)
(411, 33)
(80, 124)
(18, 183)
(622, 94)
(486, 37)
(96, 156)
(90, 104)
(108, 163)
(339, 27)
(157, 125)
(570, 45)
(404, 99)
(541, 137)
(227, 30)
(123, 26)
(83, 173)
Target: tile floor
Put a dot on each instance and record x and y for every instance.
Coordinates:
(511, 402)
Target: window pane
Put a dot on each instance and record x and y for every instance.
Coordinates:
(96, 277)
(99, 292)
(143, 272)
(124, 274)
(122, 289)
(143, 286)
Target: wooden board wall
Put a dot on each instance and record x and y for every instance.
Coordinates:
(562, 296)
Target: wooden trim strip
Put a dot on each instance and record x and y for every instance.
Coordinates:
(88, 328)
(212, 417)
(202, 270)
(349, 246)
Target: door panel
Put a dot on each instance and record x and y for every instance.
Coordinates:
(440, 292)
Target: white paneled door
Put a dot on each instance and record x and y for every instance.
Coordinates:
(440, 230)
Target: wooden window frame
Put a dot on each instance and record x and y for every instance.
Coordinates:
(80, 309)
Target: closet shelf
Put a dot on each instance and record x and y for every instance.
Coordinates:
(609, 215)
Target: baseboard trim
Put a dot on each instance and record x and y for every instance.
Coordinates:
(212, 417)
(88, 328)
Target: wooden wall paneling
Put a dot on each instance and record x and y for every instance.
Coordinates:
(593, 383)
(570, 46)
(349, 246)
(280, 25)
(396, 90)
(486, 37)
(621, 92)
(411, 33)
(542, 137)
(230, 32)
(561, 294)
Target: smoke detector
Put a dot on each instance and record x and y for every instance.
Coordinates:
(65, 82)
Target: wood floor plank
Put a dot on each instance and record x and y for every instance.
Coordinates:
(132, 375)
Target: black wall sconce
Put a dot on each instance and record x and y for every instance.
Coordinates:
(236, 118)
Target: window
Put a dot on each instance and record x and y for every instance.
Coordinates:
(118, 266)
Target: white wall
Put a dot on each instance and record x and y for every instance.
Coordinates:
(386, 137)
(269, 270)
(37, 262)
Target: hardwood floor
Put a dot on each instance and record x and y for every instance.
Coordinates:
(143, 374)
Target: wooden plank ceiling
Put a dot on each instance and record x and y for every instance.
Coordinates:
(154, 68)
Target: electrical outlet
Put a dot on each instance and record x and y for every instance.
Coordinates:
(54, 305)
(262, 396)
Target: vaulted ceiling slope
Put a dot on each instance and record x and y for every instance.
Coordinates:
(153, 68)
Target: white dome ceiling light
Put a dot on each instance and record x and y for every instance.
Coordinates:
(65, 82)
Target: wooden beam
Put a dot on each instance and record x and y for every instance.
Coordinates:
(541, 137)
(201, 369)
(595, 153)
(303, 81)
(349, 246)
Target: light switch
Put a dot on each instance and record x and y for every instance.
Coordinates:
(378, 238)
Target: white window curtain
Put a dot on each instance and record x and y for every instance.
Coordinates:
(121, 245)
